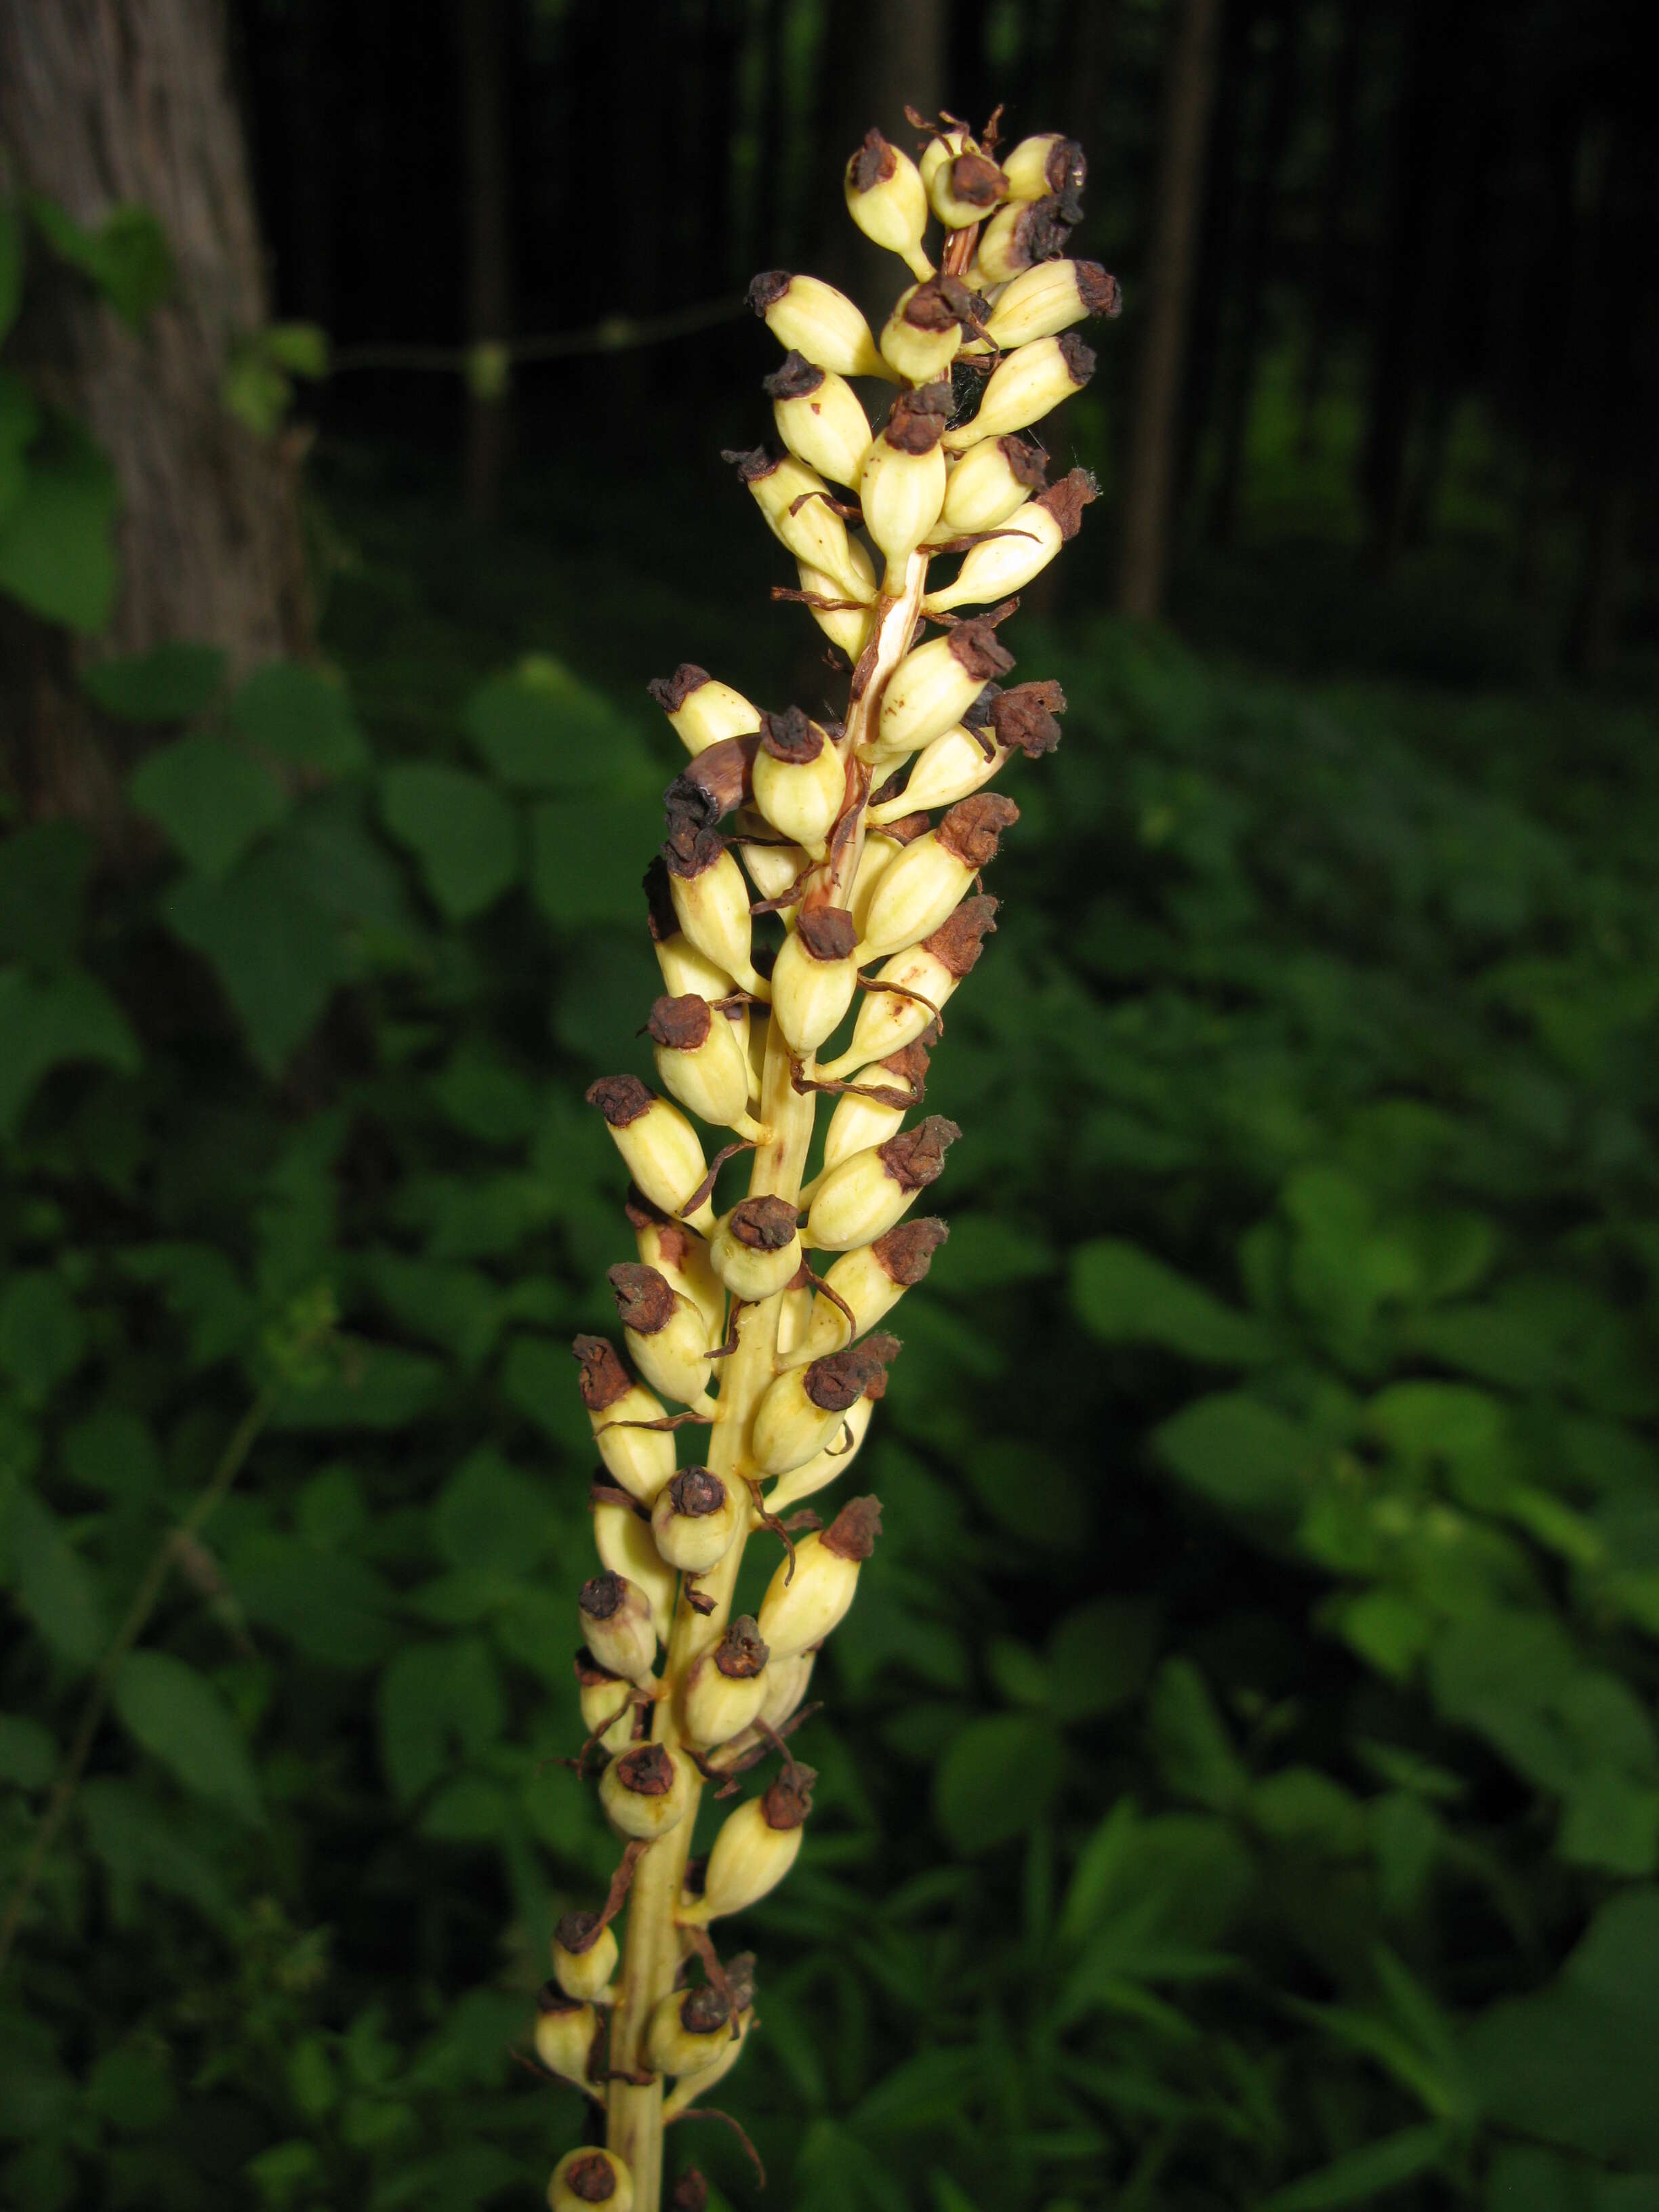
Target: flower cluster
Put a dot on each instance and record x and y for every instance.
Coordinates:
(815, 903)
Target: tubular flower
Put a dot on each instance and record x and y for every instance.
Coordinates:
(815, 905)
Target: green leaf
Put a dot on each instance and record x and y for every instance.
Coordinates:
(112, 1450)
(212, 799)
(1125, 1296)
(987, 1252)
(203, 1293)
(1100, 1655)
(28, 1753)
(573, 844)
(127, 257)
(276, 953)
(180, 1718)
(465, 835)
(1360, 2177)
(996, 1781)
(43, 880)
(42, 1336)
(542, 729)
(20, 424)
(1237, 1451)
(302, 348)
(56, 541)
(440, 1706)
(55, 1587)
(331, 1607)
(139, 1843)
(300, 714)
(170, 683)
(377, 1386)
(43, 1025)
(11, 267)
(491, 1517)
(1190, 1739)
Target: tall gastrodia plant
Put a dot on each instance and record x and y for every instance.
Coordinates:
(817, 901)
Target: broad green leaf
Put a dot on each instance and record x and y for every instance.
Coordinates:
(995, 1781)
(440, 1707)
(464, 833)
(131, 2090)
(141, 1845)
(1127, 1296)
(178, 1717)
(56, 541)
(43, 1025)
(1361, 2177)
(202, 1290)
(276, 953)
(1302, 1808)
(376, 1386)
(211, 798)
(298, 714)
(302, 348)
(573, 844)
(42, 1334)
(170, 683)
(541, 729)
(127, 256)
(1190, 1741)
(28, 1753)
(331, 1607)
(1100, 1655)
(987, 1252)
(1239, 1452)
(55, 1587)
(43, 880)
(490, 1517)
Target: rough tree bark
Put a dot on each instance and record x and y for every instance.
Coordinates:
(104, 102)
(1149, 472)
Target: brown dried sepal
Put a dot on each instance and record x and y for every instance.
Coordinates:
(603, 1596)
(972, 829)
(717, 782)
(620, 1098)
(589, 1672)
(578, 1932)
(603, 1379)
(1098, 289)
(977, 179)
(796, 377)
(905, 1253)
(680, 1025)
(692, 848)
(645, 1300)
(789, 1800)
(1066, 500)
(647, 1770)
(1028, 464)
(917, 420)
(752, 463)
(592, 2179)
(764, 1225)
(1066, 169)
(915, 1157)
(908, 827)
(694, 1493)
(1024, 717)
(852, 1534)
(941, 302)
(1040, 233)
(767, 288)
(958, 944)
(1079, 359)
(982, 655)
(826, 933)
(872, 164)
(790, 736)
(672, 692)
(704, 2008)
(551, 1998)
(742, 1651)
(839, 1379)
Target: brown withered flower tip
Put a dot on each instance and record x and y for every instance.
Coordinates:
(1027, 463)
(680, 1025)
(704, 2008)
(977, 179)
(578, 1932)
(1041, 230)
(973, 828)
(1098, 289)
(752, 463)
(742, 1651)
(643, 1213)
(893, 785)
(841, 1379)
(909, 827)
(1066, 500)
(915, 1157)
(789, 1800)
(852, 1534)
(980, 651)
(1066, 168)
(1080, 358)
(593, 2180)
(905, 1253)
(721, 778)
(740, 1979)
(796, 379)
(916, 420)
(590, 1675)
(647, 1770)
(672, 692)
(767, 288)
(1024, 716)
(826, 933)
(602, 1596)
(872, 164)
(764, 1225)
(603, 1379)
(689, 2193)
(909, 1065)
(551, 1998)
(938, 303)
(977, 715)
(957, 943)
(690, 850)
(790, 736)
(645, 1299)
(695, 1493)
(620, 1098)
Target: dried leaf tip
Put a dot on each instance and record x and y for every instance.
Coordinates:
(852, 1534)
(603, 1379)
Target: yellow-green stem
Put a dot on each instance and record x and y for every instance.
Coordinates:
(651, 1955)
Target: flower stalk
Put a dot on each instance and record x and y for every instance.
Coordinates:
(878, 918)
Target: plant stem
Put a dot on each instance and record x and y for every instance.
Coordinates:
(651, 1956)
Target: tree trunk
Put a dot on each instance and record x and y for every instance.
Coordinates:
(488, 254)
(1189, 87)
(104, 102)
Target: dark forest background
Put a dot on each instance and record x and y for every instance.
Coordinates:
(1240, 1778)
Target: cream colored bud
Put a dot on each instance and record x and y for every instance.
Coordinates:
(1021, 549)
(1020, 236)
(756, 1249)
(794, 1311)
(880, 849)
(607, 1703)
(930, 879)
(801, 779)
(963, 187)
(755, 1846)
(645, 1791)
(874, 1109)
(923, 335)
(585, 1958)
(800, 1610)
(659, 1147)
(902, 483)
(684, 968)
(990, 480)
(938, 152)
(701, 710)
(616, 1622)
(689, 2030)
(886, 198)
(640, 1459)
(665, 1333)
(814, 978)
(933, 687)
(1043, 300)
(774, 869)
(622, 1539)
(680, 1255)
(872, 1279)
(700, 1062)
(824, 1467)
(921, 981)
(819, 418)
(953, 767)
(690, 2093)
(583, 2178)
(810, 317)
(711, 904)
(1044, 166)
(802, 1410)
(1026, 385)
(695, 1519)
(864, 1196)
(564, 2037)
(726, 1686)
(846, 627)
(800, 512)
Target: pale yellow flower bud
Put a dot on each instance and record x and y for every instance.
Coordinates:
(695, 1519)
(858, 1122)
(706, 887)
(640, 1460)
(865, 1195)
(690, 2031)
(585, 1958)
(872, 1279)
(607, 1709)
(755, 1846)
(1026, 385)
(809, 317)
(930, 879)
(990, 480)
(802, 1411)
(726, 1688)
(800, 1610)
(923, 335)
(886, 198)
(801, 779)
(680, 1255)
(665, 1333)
(1043, 300)
(701, 710)
(902, 484)
(1048, 165)
(585, 2177)
(645, 1791)
(800, 512)
(881, 848)
(622, 1539)
(933, 687)
(756, 1249)
(953, 767)
(659, 1147)
(922, 980)
(819, 418)
(564, 2036)
(846, 627)
(962, 187)
(1024, 546)
(814, 979)
(824, 1467)
(616, 1622)
(1019, 236)
(701, 1061)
